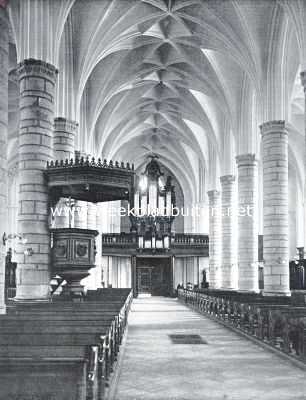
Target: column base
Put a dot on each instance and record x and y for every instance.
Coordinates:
(2, 309)
(31, 301)
(32, 293)
(276, 293)
(249, 291)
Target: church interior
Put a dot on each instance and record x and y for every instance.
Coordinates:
(152, 199)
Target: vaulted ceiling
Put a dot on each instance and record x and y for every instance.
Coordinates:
(188, 80)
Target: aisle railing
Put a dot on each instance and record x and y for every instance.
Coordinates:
(270, 320)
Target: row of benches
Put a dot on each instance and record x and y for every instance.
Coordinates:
(62, 350)
(272, 320)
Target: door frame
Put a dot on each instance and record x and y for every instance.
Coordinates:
(134, 271)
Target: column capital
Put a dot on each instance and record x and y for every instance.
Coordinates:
(303, 79)
(13, 76)
(3, 3)
(246, 159)
(34, 67)
(277, 126)
(13, 169)
(4, 20)
(214, 193)
(65, 125)
(227, 179)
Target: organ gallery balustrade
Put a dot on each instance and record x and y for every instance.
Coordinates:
(180, 244)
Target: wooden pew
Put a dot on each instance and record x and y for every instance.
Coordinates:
(76, 343)
(270, 319)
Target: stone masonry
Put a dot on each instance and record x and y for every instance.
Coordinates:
(303, 81)
(80, 209)
(91, 216)
(229, 242)
(214, 239)
(247, 223)
(63, 144)
(4, 66)
(275, 207)
(37, 87)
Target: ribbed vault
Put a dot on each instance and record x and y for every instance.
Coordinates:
(188, 80)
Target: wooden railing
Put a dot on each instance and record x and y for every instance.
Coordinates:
(180, 244)
(190, 240)
(119, 239)
(270, 320)
(88, 162)
(103, 356)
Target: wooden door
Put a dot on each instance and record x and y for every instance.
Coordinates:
(145, 280)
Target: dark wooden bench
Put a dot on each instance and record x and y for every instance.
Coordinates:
(75, 342)
(271, 319)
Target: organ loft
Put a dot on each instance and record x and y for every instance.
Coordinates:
(152, 199)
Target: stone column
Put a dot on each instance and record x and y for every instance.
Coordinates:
(247, 222)
(229, 232)
(93, 219)
(80, 214)
(303, 81)
(80, 209)
(93, 281)
(37, 87)
(214, 239)
(63, 145)
(99, 244)
(64, 135)
(91, 216)
(275, 208)
(4, 66)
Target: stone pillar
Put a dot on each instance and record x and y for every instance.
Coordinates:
(92, 281)
(99, 245)
(229, 232)
(80, 214)
(91, 216)
(4, 66)
(63, 145)
(64, 135)
(247, 223)
(80, 209)
(275, 208)
(214, 239)
(37, 87)
(303, 81)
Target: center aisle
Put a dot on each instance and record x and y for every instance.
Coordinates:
(226, 367)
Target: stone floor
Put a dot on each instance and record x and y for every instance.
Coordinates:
(227, 367)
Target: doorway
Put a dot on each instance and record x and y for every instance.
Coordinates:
(153, 276)
(144, 280)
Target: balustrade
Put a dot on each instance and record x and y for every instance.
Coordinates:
(273, 321)
(88, 162)
(179, 243)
